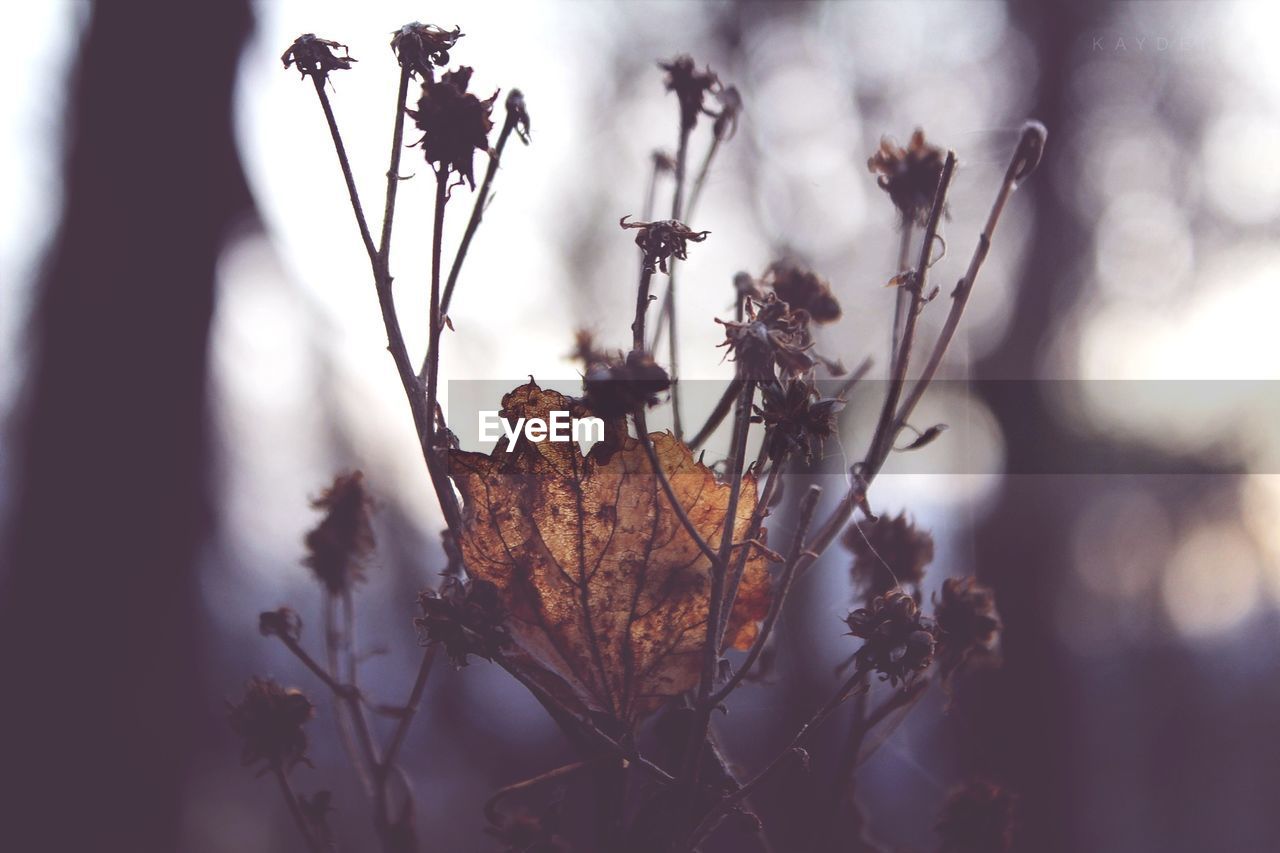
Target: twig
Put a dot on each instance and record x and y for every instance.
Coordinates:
(808, 505)
(1025, 159)
(410, 709)
(393, 170)
(673, 353)
(345, 163)
(758, 514)
(718, 414)
(295, 809)
(477, 210)
(491, 804)
(642, 306)
(642, 430)
(717, 603)
(901, 297)
(713, 817)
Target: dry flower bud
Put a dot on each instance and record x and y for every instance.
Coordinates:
(422, 47)
(466, 617)
(269, 721)
(314, 57)
(797, 418)
(518, 115)
(283, 622)
(339, 545)
(801, 287)
(616, 387)
(968, 624)
(690, 86)
(455, 124)
(899, 639)
(887, 553)
(909, 175)
(663, 239)
(771, 334)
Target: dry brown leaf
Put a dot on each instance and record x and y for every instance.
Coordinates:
(604, 587)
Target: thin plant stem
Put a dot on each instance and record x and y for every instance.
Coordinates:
(901, 298)
(642, 306)
(491, 805)
(410, 708)
(716, 604)
(642, 431)
(723, 407)
(345, 163)
(673, 350)
(477, 210)
(393, 170)
(793, 749)
(295, 810)
(808, 506)
(758, 514)
(359, 758)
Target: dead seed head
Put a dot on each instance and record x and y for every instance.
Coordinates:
(517, 115)
(968, 624)
(422, 47)
(909, 175)
(283, 622)
(772, 334)
(663, 239)
(801, 287)
(798, 419)
(691, 87)
(314, 57)
(455, 124)
(615, 386)
(269, 721)
(894, 541)
(899, 639)
(339, 545)
(977, 818)
(466, 617)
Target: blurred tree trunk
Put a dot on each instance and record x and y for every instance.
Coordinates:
(98, 615)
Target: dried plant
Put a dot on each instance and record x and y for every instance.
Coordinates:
(610, 584)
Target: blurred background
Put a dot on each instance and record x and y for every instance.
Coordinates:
(190, 348)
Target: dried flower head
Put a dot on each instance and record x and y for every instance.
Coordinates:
(314, 57)
(690, 86)
(797, 417)
(968, 624)
(977, 818)
(455, 124)
(518, 114)
(617, 386)
(585, 349)
(771, 334)
(899, 638)
(465, 617)
(283, 622)
(801, 287)
(897, 542)
(909, 175)
(422, 47)
(269, 721)
(663, 239)
(339, 545)
(726, 122)
(663, 162)
(744, 285)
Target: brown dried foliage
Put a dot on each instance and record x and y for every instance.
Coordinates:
(607, 593)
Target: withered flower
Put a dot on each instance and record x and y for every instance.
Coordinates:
(663, 161)
(899, 638)
(690, 86)
(585, 349)
(977, 818)
(617, 386)
(314, 57)
(283, 622)
(726, 121)
(746, 286)
(968, 623)
(338, 546)
(801, 287)
(422, 47)
(663, 239)
(269, 721)
(897, 542)
(518, 114)
(455, 124)
(771, 334)
(466, 617)
(909, 175)
(797, 417)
